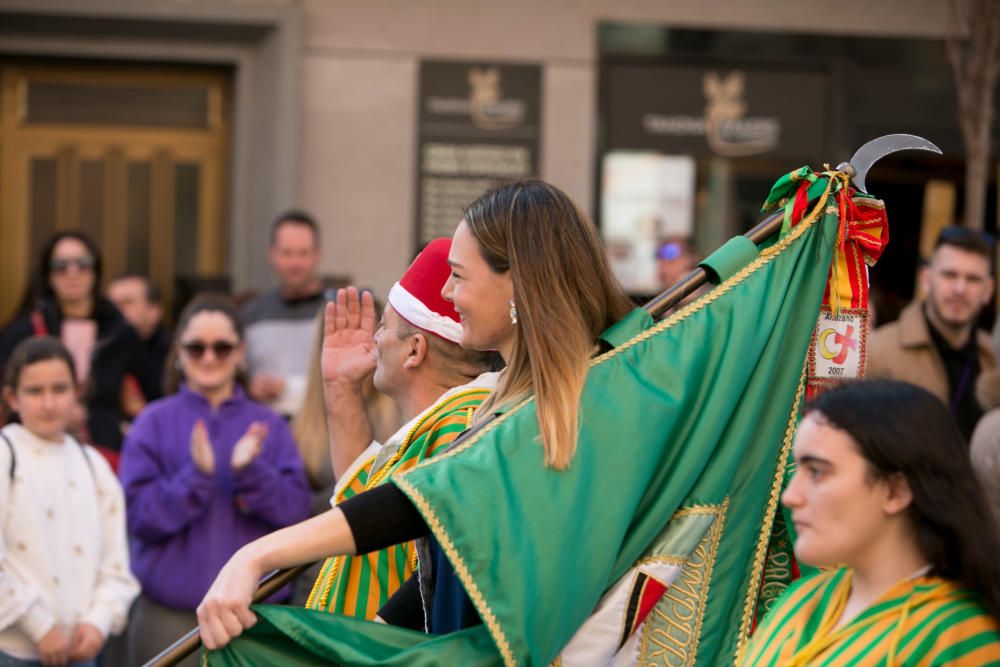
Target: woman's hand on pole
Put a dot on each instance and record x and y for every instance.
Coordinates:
(224, 613)
(225, 610)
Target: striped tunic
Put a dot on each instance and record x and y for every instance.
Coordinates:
(920, 622)
(359, 585)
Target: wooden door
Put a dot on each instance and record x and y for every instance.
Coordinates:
(136, 158)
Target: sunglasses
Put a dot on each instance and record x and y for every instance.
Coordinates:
(63, 265)
(669, 251)
(196, 349)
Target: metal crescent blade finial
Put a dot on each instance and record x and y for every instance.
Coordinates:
(876, 149)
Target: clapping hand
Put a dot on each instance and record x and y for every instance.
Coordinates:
(248, 446)
(201, 449)
(349, 338)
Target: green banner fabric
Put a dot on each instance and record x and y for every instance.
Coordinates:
(691, 415)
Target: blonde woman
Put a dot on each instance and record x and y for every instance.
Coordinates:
(526, 264)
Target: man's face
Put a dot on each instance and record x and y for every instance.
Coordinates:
(294, 256)
(391, 351)
(129, 296)
(958, 284)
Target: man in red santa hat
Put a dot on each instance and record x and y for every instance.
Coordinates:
(416, 361)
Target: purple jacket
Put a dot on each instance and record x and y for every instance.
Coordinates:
(183, 524)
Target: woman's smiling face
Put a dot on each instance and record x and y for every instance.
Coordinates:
(481, 296)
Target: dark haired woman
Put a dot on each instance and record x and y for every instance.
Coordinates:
(64, 570)
(884, 495)
(205, 470)
(64, 301)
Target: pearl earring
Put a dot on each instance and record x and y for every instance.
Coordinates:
(513, 312)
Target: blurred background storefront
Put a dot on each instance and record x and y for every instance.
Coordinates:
(174, 131)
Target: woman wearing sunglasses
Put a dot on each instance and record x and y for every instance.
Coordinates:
(64, 301)
(205, 470)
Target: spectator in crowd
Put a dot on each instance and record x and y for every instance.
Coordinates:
(139, 301)
(65, 582)
(985, 444)
(415, 358)
(675, 258)
(935, 343)
(885, 499)
(279, 322)
(205, 470)
(63, 300)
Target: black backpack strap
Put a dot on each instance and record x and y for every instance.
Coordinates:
(13, 457)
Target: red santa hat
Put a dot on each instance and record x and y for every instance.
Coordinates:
(417, 296)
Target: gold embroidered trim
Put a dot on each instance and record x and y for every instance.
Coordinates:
(710, 543)
(692, 510)
(765, 533)
(461, 569)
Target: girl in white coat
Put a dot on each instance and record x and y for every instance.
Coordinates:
(65, 582)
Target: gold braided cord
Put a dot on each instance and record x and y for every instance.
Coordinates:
(772, 507)
(461, 569)
(319, 584)
(334, 571)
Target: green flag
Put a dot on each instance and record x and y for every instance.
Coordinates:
(686, 427)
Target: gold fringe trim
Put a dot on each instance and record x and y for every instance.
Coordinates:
(461, 569)
(760, 555)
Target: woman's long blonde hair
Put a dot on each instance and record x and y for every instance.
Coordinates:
(565, 296)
